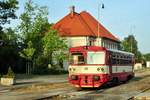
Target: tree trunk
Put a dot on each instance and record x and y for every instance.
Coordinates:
(29, 67)
(61, 63)
(50, 58)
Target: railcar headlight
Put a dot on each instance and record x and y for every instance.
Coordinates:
(96, 78)
(102, 69)
(74, 69)
(69, 69)
(98, 69)
(74, 77)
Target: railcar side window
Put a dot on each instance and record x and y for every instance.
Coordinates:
(95, 58)
(121, 59)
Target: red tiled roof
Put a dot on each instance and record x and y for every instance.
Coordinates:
(82, 24)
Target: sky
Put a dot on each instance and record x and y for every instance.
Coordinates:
(120, 17)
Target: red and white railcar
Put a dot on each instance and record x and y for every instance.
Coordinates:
(93, 66)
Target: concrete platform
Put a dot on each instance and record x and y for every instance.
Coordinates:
(10, 93)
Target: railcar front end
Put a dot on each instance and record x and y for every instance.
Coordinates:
(88, 67)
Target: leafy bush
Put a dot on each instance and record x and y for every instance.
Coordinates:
(52, 71)
(10, 73)
(40, 70)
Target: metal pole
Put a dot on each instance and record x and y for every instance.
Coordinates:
(98, 30)
(131, 32)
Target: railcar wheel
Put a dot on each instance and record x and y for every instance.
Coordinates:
(129, 77)
(115, 81)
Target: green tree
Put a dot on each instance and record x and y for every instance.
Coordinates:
(139, 57)
(28, 54)
(9, 50)
(147, 56)
(34, 27)
(7, 11)
(54, 46)
(130, 44)
(34, 24)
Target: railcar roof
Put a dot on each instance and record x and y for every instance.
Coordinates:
(100, 48)
(119, 51)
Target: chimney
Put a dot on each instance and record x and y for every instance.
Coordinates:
(72, 10)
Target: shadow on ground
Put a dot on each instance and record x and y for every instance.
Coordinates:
(24, 83)
(24, 76)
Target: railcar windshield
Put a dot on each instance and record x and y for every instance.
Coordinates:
(91, 58)
(95, 58)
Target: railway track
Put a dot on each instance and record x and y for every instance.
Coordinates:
(75, 93)
(68, 94)
(139, 96)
